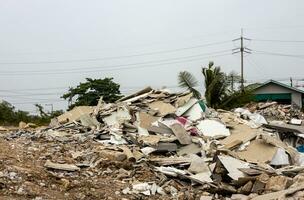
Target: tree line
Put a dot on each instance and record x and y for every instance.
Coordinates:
(220, 92)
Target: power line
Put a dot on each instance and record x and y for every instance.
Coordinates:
(112, 68)
(17, 91)
(174, 40)
(116, 57)
(278, 54)
(283, 41)
(34, 89)
(21, 94)
(34, 102)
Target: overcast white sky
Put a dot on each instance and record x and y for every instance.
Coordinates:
(47, 46)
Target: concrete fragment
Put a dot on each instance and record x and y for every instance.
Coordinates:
(205, 198)
(162, 108)
(171, 171)
(65, 167)
(260, 183)
(149, 139)
(145, 120)
(212, 128)
(182, 109)
(232, 165)
(147, 150)
(198, 165)
(87, 120)
(280, 194)
(239, 197)
(128, 152)
(181, 134)
(75, 113)
(22, 125)
(246, 189)
(258, 152)
(189, 149)
(135, 96)
(183, 100)
(296, 121)
(202, 177)
(280, 158)
(278, 183)
(165, 147)
(195, 112)
(161, 130)
(118, 117)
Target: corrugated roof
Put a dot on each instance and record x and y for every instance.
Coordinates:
(280, 84)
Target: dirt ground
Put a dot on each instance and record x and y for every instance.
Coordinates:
(24, 176)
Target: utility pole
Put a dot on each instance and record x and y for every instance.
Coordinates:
(291, 82)
(241, 50)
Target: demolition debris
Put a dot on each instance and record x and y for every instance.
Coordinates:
(157, 145)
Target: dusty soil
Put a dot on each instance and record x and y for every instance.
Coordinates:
(23, 175)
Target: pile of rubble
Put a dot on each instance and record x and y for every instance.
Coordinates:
(275, 111)
(152, 145)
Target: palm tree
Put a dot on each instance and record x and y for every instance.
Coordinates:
(187, 80)
(215, 84)
(217, 93)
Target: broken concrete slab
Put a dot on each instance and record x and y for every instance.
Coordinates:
(181, 134)
(232, 165)
(198, 165)
(260, 183)
(182, 100)
(258, 152)
(278, 183)
(280, 194)
(202, 177)
(240, 132)
(161, 130)
(145, 120)
(118, 117)
(162, 108)
(189, 149)
(87, 120)
(151, 140)
(280, 158)
(195, 112)
(75, 113)
(212, 128)
(165, 147)
(182, 109)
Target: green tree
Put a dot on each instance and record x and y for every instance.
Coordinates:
(6, 113)
(89, 92)
(41, 110)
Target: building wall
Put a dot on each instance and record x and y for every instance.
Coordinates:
(272, 88)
